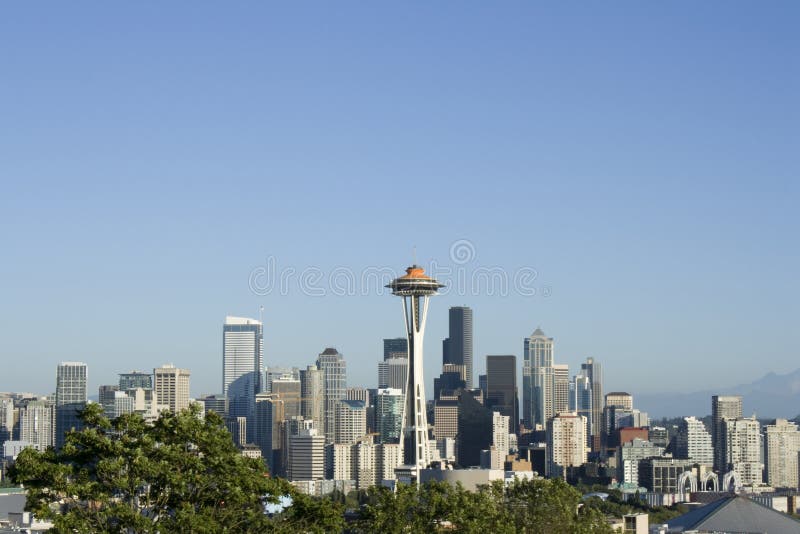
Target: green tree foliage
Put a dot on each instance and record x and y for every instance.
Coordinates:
(534, 507)
(180, 474)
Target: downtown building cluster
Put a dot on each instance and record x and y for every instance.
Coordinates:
(313, 428)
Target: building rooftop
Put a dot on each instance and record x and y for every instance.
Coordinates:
(735, 514)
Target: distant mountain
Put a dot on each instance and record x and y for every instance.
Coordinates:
(771, 396)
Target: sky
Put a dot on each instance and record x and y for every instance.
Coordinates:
(630, 169)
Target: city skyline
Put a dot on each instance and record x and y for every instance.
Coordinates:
(640, 159)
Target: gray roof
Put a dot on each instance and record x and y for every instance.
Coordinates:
(735, 514)
(538, 332)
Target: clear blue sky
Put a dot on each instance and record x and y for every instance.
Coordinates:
(643, 157)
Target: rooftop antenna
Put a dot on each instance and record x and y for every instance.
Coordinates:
(261, 314)
(414, 254)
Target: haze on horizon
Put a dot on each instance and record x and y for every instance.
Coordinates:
(641, 158)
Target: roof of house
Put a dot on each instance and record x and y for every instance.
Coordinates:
(735, 514)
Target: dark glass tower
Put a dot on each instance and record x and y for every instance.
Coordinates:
(457, 348)
(501, 388)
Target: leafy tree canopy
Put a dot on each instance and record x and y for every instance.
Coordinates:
(182, 473)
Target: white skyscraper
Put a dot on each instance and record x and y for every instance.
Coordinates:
(566, 443)
(537, 380)
(742, 441)
(781, 448)
(242, 365)
(334, 369)
(36, 423)
(693, 442)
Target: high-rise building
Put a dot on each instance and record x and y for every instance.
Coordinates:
(393, 372)
(71, 381)
(620, 399)
(307, 458)
(582, 391)
(415, 287)
(395, 348)
(537, 380)
(593, 372)
(351, 420)
(389, 415)
(629, 455)
(501, 388)
(566, 444)
(458, 347)
(722, 407)
(445, 416)
(242, 365)
(37, 423)
(742, 441)
(334, 369)
(171, 386)
(693, 442)
(105, 396)
(560, 388)
(135, 379)
(269, 417)
(781, 449)
(288, 389)
(6, 419)
(312, 396)
(500, 441)
(215, 403)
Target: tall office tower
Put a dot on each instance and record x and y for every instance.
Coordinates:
(242, 364)
(457, 348)
(134, 380)
(781, 449)
(334, 369)
(560, 388)
(307, 458)
(452, 378)
(351, 420)
(71, 381)
(593, 372)
(269, 415)
(537, 380)
(171, 386)
(274, 372)
(445, 417)
(6, 420)
(415, 287)
(395, 348)
(582, 390)
(37, 423)
(722, 407)
(742, 440)
(483, 385)
(393, 372)
(312, 396)
(693, 442)
(566, 444)
(288, 389)
(501, 388)
(389, 415)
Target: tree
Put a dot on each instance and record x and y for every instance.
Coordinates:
(530, 506)
(182, 473)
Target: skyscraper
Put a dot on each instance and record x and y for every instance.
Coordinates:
(389, 415)
(134, 380)
(395, 348)
(242, 365)
(560, 388)
(36, 423)
(722, 407)
(351, 420)
(312, 396)
(334, 369)
(593, 371)
(415, 287)
(71, 381)
(742, 441)
(537, 379)
(693, 442)
(582, 389)
(781, 448)
(457, 348)
(566, 443)
(171, 386)
(501, 388)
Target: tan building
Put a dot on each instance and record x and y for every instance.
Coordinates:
(566, 443)
(171, 385)
(781, 448)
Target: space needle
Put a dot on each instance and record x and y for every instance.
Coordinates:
(415, 287)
